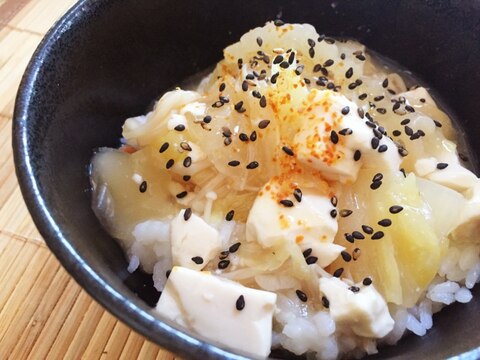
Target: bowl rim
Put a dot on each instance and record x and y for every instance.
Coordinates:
(153, 328)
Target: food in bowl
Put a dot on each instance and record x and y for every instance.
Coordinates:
(302, 196)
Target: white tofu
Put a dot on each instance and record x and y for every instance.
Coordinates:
(192, 238)
(469, 224)
(365, 312)
(336, 161)
(206, 304)
(308, 223)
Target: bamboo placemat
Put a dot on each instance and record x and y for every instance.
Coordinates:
(43, 312)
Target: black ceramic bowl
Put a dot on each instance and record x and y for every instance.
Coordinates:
(106, 60)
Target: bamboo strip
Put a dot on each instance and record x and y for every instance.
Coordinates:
(50, 317)
(39, 16)
(70, 326)
(24, 300)
(100, 337)
(116, 342)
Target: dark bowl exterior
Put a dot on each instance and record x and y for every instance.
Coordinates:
(107, 60)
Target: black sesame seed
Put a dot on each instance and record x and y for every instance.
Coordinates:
(311, 42)
(170, 163)
(233, 163)
(409, 108)
(385, 83)
(311, 52)
(396, 106)
(286, 203)
(358, 235)
(287, 151)
(239, 106)
(221, 87)
(164, 147)
(349, 238)
(259, 41)
(187, 214)
(187, 161)
(346, 131)
(186, 177)
(375, 185)
(437, 123)
(179, 127)
(234, 248)
(354, 289)
(274, 77)
(357, 155)
(278, 59)
(240, 303)
(307, 81)
(334, 201)
(143, 187)
(382, 148)
(378, 98)
(367, 281)
(361, 113)
(245, 85)
(395, 209)
(441, 166)
(403, 152)
(337, 273)
(370, 124)
(405, 122)
(306, 253)
(333, 213)
(230, 215)
(352, 86)
(243, 137)
(345, 212)
(356, 254)
(361, 57)
(299, 69)
(263, 124)
(385, 222)
(396, 133)
(325, 302)
(342, 56)
(185, 146)
(227, 141)
(375, 142)
(362, 97)
(252, 165)
(284, 65)
(346, 256)
(310, 260)
(207, 119)
(197, 260)
(333, 137)
(317, 68)
(256, 94)
(378, 235)
(253, 136)
(382, 111)
(328, 63)
(223, 264)
(345, 110)
(377, 133)
(291, 58)
(301, 295)
(349, 73)
(297, 193)
(408, 130)
(181, 195)
(367, 229)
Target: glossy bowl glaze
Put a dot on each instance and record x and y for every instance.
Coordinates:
(107, 60)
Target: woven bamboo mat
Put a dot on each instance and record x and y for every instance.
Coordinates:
(43, 312)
